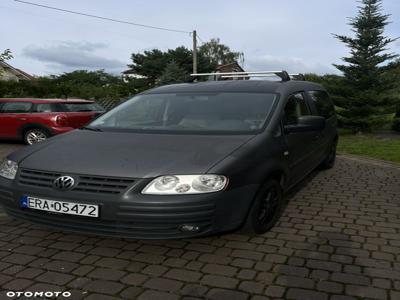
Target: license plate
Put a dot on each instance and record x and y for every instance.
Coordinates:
(62, 207)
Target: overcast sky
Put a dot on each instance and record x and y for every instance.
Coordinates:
(295, 35)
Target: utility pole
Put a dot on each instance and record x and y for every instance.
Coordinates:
(194, 52)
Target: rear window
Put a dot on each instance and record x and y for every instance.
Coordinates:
(323, 103)
(15, 107)
(80, 107)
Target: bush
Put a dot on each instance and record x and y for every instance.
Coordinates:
(91, 85)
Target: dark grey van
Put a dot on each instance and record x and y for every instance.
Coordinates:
(177, 161)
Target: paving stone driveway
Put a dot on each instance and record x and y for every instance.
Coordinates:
(339, 239)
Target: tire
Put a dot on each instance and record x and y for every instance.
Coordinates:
(35, 135)
(266, 209)
(329, 161)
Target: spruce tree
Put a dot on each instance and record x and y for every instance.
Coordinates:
(369, 99)
(172, 73)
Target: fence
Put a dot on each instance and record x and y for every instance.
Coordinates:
(108, 103)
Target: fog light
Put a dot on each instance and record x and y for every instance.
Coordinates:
(189, 228)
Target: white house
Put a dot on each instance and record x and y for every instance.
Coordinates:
(8, 72)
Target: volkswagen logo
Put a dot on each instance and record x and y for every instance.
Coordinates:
(64, 183)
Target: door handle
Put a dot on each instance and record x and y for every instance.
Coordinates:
(22, 119)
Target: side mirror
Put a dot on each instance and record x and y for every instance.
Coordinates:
(307, 123)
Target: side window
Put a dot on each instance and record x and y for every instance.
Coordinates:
(16, 107)
(295, 107)
(57, 107)
(44, 108)
(323, 104)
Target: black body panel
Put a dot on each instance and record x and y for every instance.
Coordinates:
(130, 154)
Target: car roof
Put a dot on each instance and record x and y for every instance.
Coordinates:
(253, 86)
(41, 100)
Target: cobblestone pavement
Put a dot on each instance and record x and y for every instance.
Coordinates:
(338, 239)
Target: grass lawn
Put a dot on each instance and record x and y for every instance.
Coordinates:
(370, 146)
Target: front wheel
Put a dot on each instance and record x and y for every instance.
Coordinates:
(36, 135)
(266, 209)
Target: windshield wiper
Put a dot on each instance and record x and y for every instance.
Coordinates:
(91, 128)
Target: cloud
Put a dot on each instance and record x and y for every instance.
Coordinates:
(67, 56)
(290, 64)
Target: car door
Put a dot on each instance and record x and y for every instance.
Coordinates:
(81, 113)
(321, 105)
(300, 145)
(13, 116)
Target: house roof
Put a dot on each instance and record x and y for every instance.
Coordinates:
(17, 72)
(234, 66)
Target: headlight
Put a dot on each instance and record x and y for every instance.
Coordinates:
(185, 184)
(8, 169)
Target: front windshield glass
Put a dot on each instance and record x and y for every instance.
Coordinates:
(194, 112)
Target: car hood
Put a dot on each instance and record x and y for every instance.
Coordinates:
(128, 154)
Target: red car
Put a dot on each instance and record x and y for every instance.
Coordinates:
(34, 120)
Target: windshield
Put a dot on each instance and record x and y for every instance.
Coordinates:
(79, 107)
(194, 112)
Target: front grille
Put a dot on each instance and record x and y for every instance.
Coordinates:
(86, 183)
(37, 178)
(96, 184)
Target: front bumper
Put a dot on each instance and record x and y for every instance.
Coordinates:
(133, 215)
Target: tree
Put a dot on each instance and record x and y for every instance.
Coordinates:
(96, 85)
(393, 73)
(368, 100)
(150, 63)
(217, 53)
(84, 84)
(183, 57)
(6, 55)
(97, 78)
(153, 63)
(173, 73)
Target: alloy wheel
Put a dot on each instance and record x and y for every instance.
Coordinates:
(35, 136)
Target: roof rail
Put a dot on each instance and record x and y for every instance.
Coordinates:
(282, 74)
(247, 76)
(298, 76)
(235, 73)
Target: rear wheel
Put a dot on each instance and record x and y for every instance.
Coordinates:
(266, 209)
(35, 135)
(330, 159)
